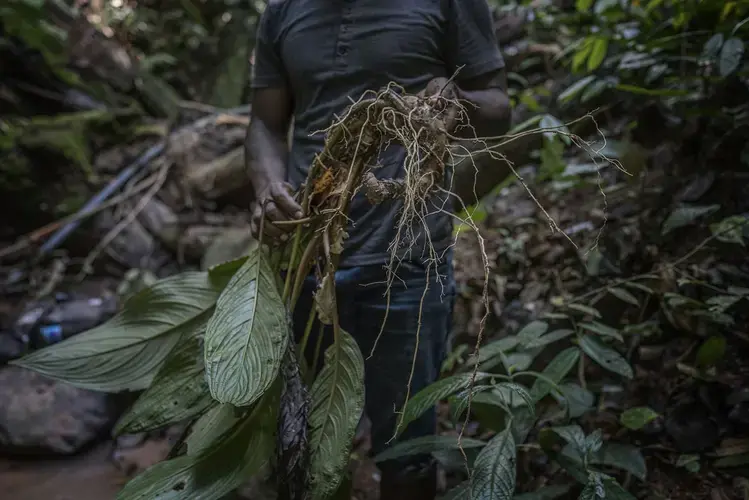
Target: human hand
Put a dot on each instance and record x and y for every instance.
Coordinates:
(440, 91)
(280, 206)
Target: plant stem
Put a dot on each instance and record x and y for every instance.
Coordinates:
(581, 371)
(276, 260)
(292, 263)
(307, 330)
(302, 269)
(318, 347)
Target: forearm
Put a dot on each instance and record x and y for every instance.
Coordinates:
(477, 173)
(266, 155)
(488, 112)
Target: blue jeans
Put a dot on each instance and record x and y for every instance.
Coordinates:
(361, 308)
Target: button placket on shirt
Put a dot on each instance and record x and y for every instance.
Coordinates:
(344, 37)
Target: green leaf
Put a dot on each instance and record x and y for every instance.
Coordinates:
(605, 356)
(193, 11)
(575, 89)
(515, 395)
(217, 469)
(556, 370)
(572, 434)
(740, 460)
(426, 444)
(730, 230)
(637, 418)
(525, 124)
(578, 400)
(337, 397)
(596, 88)
(684, 216)
(178, 392)
(532, 331)
(638, 286)
(210, 426)
(126, 352)
(711, 351)
(604, 5)
(492, 349)
(522, 418)
(597, 53)
(689, 462)
(582, 53)
(505, 395)
(730, 56)
(431, 395)
(247, 335)
(554, 126)
(583, 5)
(602, 330)
(581, 308)
(634, 89)
(603, 487)
(624, 295)
(622, 456)
(712, 46)
(493, 475)
(550, 338)
(721, 303)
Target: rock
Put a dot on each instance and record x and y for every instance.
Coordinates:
(219, 176)
(133, 460)
(162, 222)
(39, 415)
(135, 247)
(231, 244)
(10, 347)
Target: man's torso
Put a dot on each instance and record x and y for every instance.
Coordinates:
(333, 51)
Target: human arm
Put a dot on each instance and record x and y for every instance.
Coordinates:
(266, 151)
(480, 82)
(487, 106)
(266, 155)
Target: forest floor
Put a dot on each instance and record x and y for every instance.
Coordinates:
(700, 416)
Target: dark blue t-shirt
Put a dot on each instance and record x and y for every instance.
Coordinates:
(329, 52)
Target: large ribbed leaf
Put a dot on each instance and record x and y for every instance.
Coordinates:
(218, 468)
(179, 391)
(210, 426)
(493, 476)
(431, 395)
(126, 352)
(337, 397)
(247, 335)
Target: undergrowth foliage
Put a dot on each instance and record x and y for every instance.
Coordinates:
(215, 348)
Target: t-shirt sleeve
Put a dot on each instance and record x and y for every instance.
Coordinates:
(472, 45)
(268, 69)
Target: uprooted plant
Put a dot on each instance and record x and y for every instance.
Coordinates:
(208, 347)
